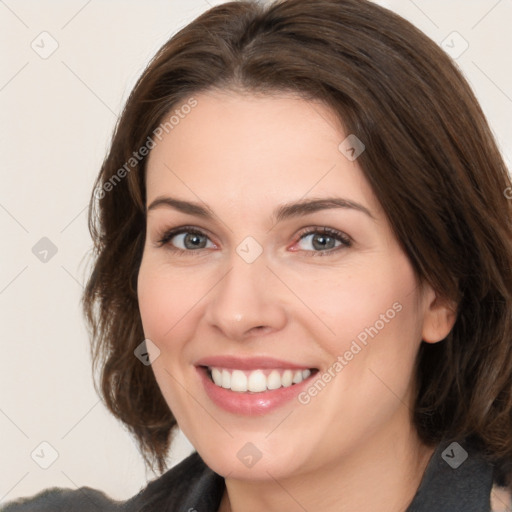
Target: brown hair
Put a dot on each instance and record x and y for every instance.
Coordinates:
(431, 161)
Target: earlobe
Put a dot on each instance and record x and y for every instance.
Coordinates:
(439, 318)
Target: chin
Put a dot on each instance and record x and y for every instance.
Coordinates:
(242, 459)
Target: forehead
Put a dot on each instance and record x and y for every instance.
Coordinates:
(239, 147)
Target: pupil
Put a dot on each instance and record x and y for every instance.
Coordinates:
(193, 241)
(323, 242)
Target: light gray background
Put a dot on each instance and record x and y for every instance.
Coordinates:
(58, 115)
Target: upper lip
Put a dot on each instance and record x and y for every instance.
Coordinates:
(249, 363)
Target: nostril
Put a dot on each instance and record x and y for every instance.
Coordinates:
(259, 328)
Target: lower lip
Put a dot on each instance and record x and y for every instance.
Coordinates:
(247, 403)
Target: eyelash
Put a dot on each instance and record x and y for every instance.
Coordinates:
(345, 240)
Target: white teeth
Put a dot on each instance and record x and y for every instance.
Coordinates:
(238, 381)
(274, 380)
(217, 376)
(257, 381)
(297, 377)
(226, 379)
(287, 378)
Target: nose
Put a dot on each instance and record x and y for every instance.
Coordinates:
(247, 301)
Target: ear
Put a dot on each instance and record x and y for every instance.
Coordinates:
(439, 317)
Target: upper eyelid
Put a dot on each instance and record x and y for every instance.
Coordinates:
(172, 232)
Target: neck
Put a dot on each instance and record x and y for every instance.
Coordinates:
(381, 474)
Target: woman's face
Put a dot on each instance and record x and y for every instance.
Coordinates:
(279, 260)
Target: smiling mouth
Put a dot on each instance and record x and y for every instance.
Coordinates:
(257, 381)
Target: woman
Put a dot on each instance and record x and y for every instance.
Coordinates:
(304, 260)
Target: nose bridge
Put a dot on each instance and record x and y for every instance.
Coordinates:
(246, 298)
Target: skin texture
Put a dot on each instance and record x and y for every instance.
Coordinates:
(353, 444)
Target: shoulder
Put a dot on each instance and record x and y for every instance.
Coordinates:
(175, 486)
(56, 499)
(191, 484)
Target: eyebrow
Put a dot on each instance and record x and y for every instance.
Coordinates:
(283, 212)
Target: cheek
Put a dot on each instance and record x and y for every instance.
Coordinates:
(364, 304)
(377, 330)
(166, 299)
(376, 324)
(153, 303)
(165, 305)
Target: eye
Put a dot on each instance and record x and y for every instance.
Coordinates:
(323, 241)
(316, 241)
(185, 239)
